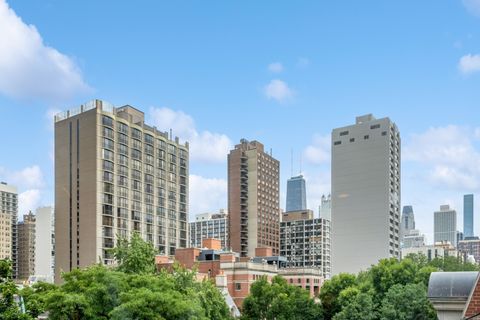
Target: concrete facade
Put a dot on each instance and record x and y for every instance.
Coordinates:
(115, 175)
(306, 243)
(209, 225)
(470, 247)
(45, 243)
(365, 194)
(26, 246)
(253, 198)
(8, 224)
(445, 225)
(325, 209)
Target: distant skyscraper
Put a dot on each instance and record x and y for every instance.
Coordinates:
(8, 222)
(445, 225)
(408, 221)
(365, 194)
(325, 210)
(115, 175)
(26, 246)
(44, 243)
(253, 198)
(296, 194)
(468, 215)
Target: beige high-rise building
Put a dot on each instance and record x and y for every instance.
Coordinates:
(8, 224)
(253, 198)
(365, 194)
(26, 246)
(115, 175)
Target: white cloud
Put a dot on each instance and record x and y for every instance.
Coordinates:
(29, 177)
(473, 6)
(275, 67)
(205, 146)
(278, 90)
(450, 155)
(469, 64)
(29, 69)
(319, 151)
(207, 195)
(28, 201)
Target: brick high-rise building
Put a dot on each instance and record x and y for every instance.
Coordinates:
(8, 224)
(253, 198)
(115, 175)
(26, 246)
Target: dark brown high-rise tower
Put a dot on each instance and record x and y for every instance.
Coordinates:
(253, 198)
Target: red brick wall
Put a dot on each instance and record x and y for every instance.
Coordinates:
(473, 306)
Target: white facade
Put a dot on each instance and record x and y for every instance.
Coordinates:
(365, 194)
(44, 243)
(325, 210)
(413, 238)
(209, 225)
(438, 250)
(445, 225)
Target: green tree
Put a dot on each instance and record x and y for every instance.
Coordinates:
(406, 303)
(361, 307)
(9, 308)
(330, 292)
(450, 263)
(134, 256)
(279, 300)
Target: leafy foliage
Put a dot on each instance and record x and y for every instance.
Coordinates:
(134, 256)
(279, 300)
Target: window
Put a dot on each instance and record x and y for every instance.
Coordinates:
(352, 139)
(122, 138)
(238, 286)
(107, 143)
(107, 132)
(122, 127)
(107, 154)
(107, 176)
(107, 121)
(137, 144)
(137, 134)
(366, 137)
(136, 154)
(344, 133)
(384, 133)
(148, 138)
(123, 149)
(336, 143)
(375, 126)
(107, 165)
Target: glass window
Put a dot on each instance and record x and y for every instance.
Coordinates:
(107, 132)
(137, 134)
(107, 143)
(122, 127)
(148, 138)
(107, 154)
(107, 121)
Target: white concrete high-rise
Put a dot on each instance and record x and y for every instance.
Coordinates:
(325, 209)
(445, 225)
(365, 194)
(44, 243)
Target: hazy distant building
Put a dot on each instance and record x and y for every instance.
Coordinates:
(26, 246)
(296, 194)
(8, 224)
(437, 250)
(470, 247)
(408, 221)
(115, 175)
(445, 225)
(325, 210)
(253, 198)
(365, 194)
(413, 238)
(208, 226)
(44, 243)
(468, 215)
(305, 241)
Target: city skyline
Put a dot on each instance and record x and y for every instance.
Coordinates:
(202, 94)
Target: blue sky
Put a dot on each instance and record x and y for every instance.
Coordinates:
(282, 72)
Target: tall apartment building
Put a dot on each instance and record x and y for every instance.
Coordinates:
(26, 246)
(253, 198)
(470, 247)
(207, 226)
(115, 175)
(296, 194)
(8, 224)
(365, 194)
(305, 241)
(468, 215)
(44, 243)
(445, 225)
(325, 209)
